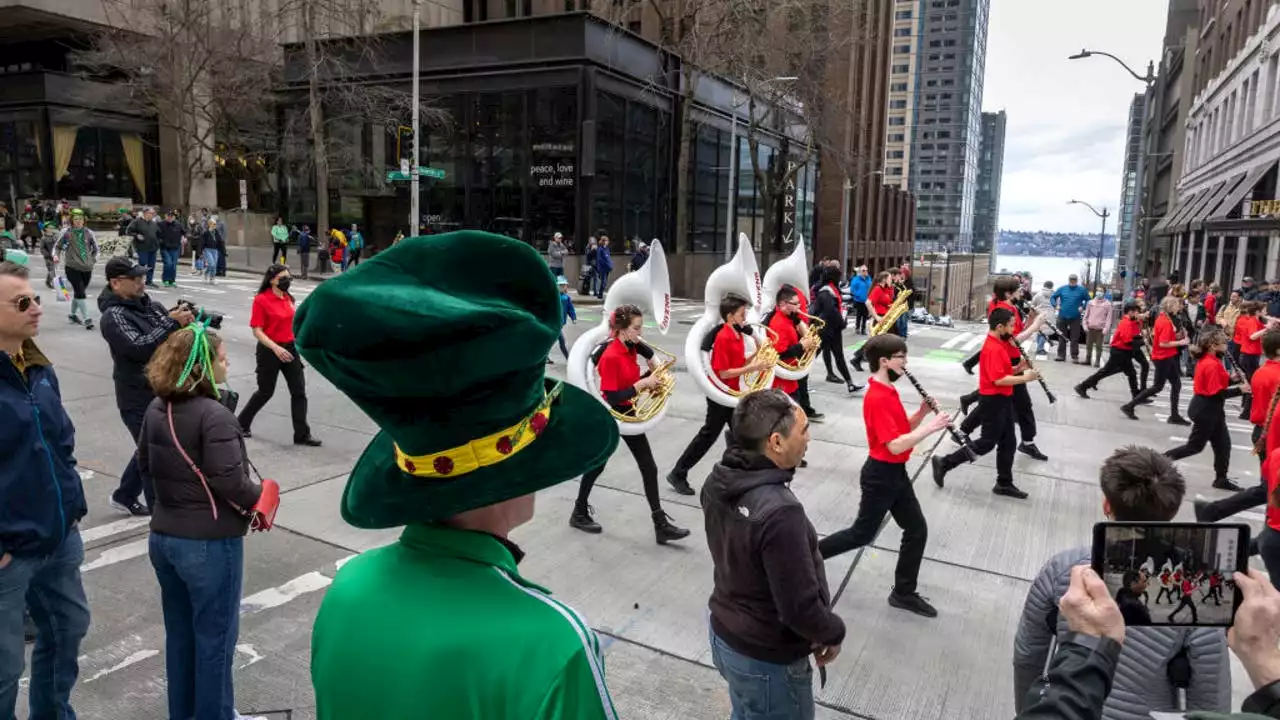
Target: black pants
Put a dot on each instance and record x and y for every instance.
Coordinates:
(269, 370)
(861, 315)
(1070, 330)
(79, 280)
(280, 251)
(1167, 370)
(886, 489)
(997, 412)
(718, 418)
(1186, 602)
(1144, 368)
(1248, 366)
(1246, 499)
(1208, 427)
(801, 395)
(1119, 361)
(640, 450)
(132, 482)
(1026, 414)
(831, 342)
(972, 361)
(304, 261)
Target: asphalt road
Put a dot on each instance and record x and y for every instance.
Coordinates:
(647, 601)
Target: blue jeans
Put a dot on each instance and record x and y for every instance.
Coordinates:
(148, 260)
(764, 691)
(210, 262)
(1040, 341)
(50, 586)
(200, 583)
(170, 265)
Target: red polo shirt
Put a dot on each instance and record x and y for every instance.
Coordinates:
(886, 420)
(274, 315)
(1163, 332)
(1126, 330)
(1211, 377)
(728, 352)
(1264, 384)
(1271, 473)
(1012, 347)
(881, 297)
(993, 364)
(618, 369)
(1246, 326)
(787, 336)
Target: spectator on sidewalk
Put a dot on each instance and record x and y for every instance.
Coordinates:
(172, 235)
(603, 265)
(770, 605)
(1097, 324)
(556, 251)
(639, 257)
(280, 242)
(43, 499)
(222, 246)
(304, 249)
(355, 244)
(145, 232)
(859, 288)
(1070, 300)
(1042, 305)
(588, 276)
(212, 247)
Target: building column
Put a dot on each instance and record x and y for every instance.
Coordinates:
(1175, 248)
(1242, 249)
(1190, 241)
(1273, 255)
(1217, 266)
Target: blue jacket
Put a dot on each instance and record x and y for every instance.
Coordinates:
(1070, 301)
(40, 491)
(304, 241)
(860, 288)
(566, 309)
(604, 261)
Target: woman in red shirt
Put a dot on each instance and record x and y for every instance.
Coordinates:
(620, 382)
(1207, 412)
(1248, 334)
(1165, 346)
(272, 322)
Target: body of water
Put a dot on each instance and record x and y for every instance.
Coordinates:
(1051, 268)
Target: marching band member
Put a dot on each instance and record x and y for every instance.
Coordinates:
(829, 306)
(879, 300)
(1207, 409)
(1127, 336)
(785, 321)
(1165, 347)
(729, 362)
(620, 383)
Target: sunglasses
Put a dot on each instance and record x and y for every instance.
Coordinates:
(24, 303)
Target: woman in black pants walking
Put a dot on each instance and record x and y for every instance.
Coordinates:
(1208, 415)
(828, 305)
(272, 323)
(1165, 349)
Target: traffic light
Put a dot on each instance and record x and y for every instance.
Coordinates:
(404, 141)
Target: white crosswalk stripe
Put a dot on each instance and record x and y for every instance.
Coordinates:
(973, 344)
(962, 337)
(1245, 448)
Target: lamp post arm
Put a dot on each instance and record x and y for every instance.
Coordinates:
(1148, 80)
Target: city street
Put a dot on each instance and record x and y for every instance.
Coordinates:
(648, 602)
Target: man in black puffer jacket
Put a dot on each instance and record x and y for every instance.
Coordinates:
(133, 327)
(771, 607)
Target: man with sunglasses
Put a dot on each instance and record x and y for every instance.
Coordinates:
(40, 546)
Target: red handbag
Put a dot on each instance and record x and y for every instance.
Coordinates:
(262, 515)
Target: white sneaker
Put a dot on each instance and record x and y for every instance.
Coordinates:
(238, 716)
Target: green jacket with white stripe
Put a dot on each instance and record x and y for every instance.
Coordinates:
(440, 625)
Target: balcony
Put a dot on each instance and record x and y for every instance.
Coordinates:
(72, 94)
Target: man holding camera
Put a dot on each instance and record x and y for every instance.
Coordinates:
(133, 326)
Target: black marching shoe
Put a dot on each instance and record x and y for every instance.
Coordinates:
(964, 405)
(664, 530)
(1145, 401)
(1128, 412)
(133, 507)
(939, 471)
(680, 483)
(804, 463)
(1226, 484)
(1032, 451)
(582, 520)
(912, 602)
(75, 320)
(814, 415)
(1081, 391)
(1178, 420)
(1201, 507)
(88, 324)
(834, 379)
(856, 388)
(856, 363)
(1243, 416)
(1009, 490)
(308, 441)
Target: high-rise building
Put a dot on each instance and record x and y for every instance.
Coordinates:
(986, 215)
(935, 107)
(1129, 177)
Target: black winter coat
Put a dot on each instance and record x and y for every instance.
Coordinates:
(211, 437)
(133, 329)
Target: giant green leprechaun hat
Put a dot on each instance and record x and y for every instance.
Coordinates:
(450, 363)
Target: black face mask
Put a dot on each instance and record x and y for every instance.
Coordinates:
(893, 375)
(743, 329)
(284, 283)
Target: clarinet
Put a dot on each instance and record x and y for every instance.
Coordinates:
(956, 435)
(1043, 385)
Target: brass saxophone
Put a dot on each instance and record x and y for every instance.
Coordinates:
(891, 315)
(648, 403)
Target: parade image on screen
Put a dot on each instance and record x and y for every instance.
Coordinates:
(1172, 574)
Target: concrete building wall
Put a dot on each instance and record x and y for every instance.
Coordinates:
(986, 218)
(908, 22)
(1129, 174)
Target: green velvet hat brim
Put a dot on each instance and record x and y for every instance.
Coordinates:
(580, 436)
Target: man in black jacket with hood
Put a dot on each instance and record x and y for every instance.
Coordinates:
(771, 607)
(134, 327)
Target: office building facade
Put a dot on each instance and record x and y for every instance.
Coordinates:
(986, 217)
(939, 115)
(1129, 175)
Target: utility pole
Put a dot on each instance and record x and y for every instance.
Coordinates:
(415, 219)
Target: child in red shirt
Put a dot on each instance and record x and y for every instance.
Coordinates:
(1126, 337)
(1207, 408)
(1165, 346)
(620, 383)
(886, 487)
(1248, 334)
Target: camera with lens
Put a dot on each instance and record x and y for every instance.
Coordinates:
(202, 314)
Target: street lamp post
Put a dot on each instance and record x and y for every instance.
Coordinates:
(1150, 81)
(1102, 237)
(414, 218)
(732, 208)
(847, 188)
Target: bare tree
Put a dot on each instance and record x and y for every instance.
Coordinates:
(181, 60)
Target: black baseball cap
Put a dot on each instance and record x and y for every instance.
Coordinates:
(119, 267)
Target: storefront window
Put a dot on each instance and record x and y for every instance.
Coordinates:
(642, 129)
(443, 202)
(553, 167)
(611, 176)
(711, 175)
(496, 197)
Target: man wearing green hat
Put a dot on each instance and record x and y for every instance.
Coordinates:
(452, 369)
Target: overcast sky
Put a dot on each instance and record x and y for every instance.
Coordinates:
(1067, 118)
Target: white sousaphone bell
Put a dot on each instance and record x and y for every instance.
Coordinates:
(650, 289)
(794, 271)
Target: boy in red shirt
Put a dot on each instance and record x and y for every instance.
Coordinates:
(996, 381)
(1249, 330)
(1165, 346)
(1123, 343)
(729, 362)
(785, 321)
(886, 488)
(1207, 409)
